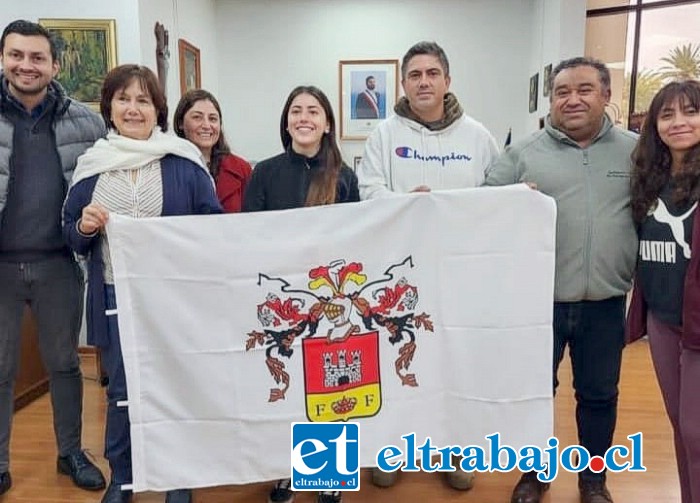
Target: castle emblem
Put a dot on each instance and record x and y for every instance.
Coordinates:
(338, 371)
(339, 318)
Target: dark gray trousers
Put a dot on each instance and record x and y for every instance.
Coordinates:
(53, 288)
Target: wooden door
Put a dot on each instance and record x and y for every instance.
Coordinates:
(32, 379)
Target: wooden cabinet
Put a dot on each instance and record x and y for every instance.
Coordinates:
(32, 380)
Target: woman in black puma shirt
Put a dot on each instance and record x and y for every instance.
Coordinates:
(666, 297)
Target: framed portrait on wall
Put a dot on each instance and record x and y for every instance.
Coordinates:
(87, 50)
(545, 80)
(368, 92)
(534, 88)
(190, 66)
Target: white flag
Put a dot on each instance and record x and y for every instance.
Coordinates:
(426, 313)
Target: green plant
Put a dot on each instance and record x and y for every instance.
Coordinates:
(682, 63)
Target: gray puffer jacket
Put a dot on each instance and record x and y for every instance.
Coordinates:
(76, 128)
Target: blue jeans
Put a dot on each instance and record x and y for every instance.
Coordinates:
(117, 431)
(53, 289)
(594, 332)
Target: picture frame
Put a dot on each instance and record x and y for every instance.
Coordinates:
(87, 51)
(356, 161)
(534, 85)
(546, 89)
(190, 66)
(368, 91)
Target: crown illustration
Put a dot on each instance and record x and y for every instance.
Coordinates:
(344, 405)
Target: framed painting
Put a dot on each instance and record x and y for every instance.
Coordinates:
(546, 85)
(87, 50)
(534, 87)
(190, 66)
(368, 92)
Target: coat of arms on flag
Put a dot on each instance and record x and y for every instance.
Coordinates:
(342, 379)
(341, 364)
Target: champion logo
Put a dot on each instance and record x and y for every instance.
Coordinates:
(411, 153)
(404, 152)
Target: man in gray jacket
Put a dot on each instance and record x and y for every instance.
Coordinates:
(583, 162)
(42, 133)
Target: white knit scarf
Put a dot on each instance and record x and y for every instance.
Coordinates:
(117, 152)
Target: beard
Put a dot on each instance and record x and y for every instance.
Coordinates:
(31, 89)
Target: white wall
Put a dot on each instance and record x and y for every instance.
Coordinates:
(572, 27)
(558, 33)
(196, 23)
(192, 20)
(149, 12)
(271, 46)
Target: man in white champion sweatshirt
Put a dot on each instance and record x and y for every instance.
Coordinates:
(430, 143)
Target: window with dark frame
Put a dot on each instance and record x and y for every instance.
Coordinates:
(645, 43)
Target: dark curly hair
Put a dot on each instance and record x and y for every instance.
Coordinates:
(651, 157)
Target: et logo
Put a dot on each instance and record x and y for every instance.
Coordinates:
(325, 457)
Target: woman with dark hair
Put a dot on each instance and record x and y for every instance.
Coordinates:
(198, 119)
(666, 296)
(139, 171)
(310, 172)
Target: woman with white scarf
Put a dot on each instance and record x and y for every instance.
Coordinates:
(139, 171)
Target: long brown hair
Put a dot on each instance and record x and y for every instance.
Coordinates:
(652, 158)
(220, 148)
(324, 183)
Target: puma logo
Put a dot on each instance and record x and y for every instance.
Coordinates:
(662, 215)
